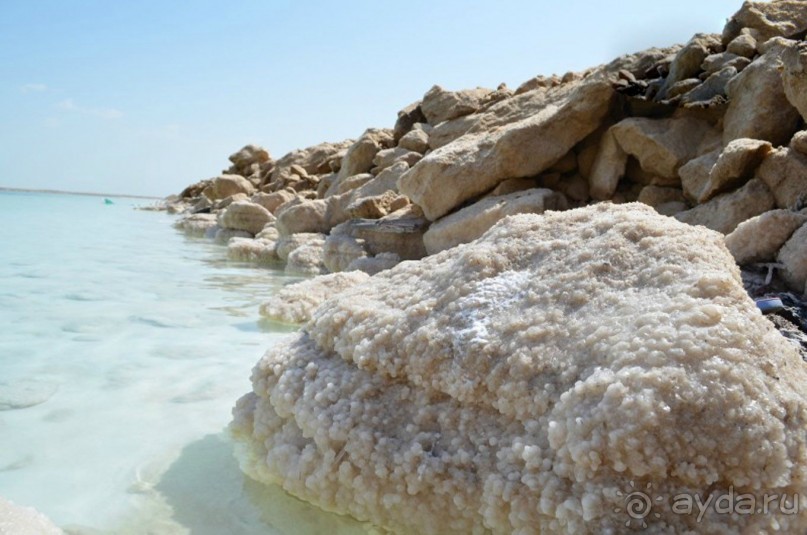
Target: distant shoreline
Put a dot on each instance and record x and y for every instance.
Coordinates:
(60, 192)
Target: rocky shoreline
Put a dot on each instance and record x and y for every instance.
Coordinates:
(675, 179)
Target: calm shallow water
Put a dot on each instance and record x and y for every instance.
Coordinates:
(123, 346)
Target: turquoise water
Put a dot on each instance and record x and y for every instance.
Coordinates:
(123, 346)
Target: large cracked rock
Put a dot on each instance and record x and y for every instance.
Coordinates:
(528, 381)
(477, 162)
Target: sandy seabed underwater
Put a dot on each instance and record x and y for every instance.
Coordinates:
(123, 347)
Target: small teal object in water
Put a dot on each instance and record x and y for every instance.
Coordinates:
(770, 305)
(108, 201)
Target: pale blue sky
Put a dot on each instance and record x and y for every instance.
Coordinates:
(145, 97)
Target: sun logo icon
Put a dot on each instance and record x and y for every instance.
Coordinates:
(639, 504)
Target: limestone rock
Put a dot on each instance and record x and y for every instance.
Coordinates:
(799, 142)
(793, 256)
(658, 195)
(312, 160)
(387, 157)
(258, 251)
(340, 250)
(471, 222)
(512, 186)
(725, 212)
(794, 76)
(273, 201)
(476, 163)
(245, 215)
(225, 185)
(304, 216)
(608, 167)
(734, 165)
(743, 45)
(295, 303)
(407, 119)
(713, 89)
(761, 237)
(662, 146)
(224, 235)
(785, 173)
(339, 206)
(416, 140)
(360, 155)
(227, 201)
(716, 62)
(688, 60)
(249, 155)
(758, 107)
(346, 184)
(286, 244)
(400, 232)
(439, 105)
(780, 18)
(514, 384)
(376, 206)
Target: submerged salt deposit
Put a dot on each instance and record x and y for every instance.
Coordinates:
(528, 381)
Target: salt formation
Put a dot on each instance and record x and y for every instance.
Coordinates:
(296, 302)
(530, 380)
(17, 520)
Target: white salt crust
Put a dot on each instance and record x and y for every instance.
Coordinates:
(520, 383)
(295, 303)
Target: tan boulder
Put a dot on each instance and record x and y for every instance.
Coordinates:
(360, 155)
(286, 244)
(733, 166)
(439, 105)
(245, 215)
(476, 163)
(758, 107)
(376, 206)
(794, 76)
(785, 173)
(387, 180)
(304, 216)
(343, 185)
(743, 45)
(400, 232)
(196, 225)
(799, 142)
(793, 256)
(223, 186)
(512, 185)
(385, 158)
(312, 160)
(780, 18)
(248, 155)
(417, 139)
(295, 303)
(407, 119)
(227, 201)
(688, 60)
(760, 238)
(471, 222)
(608, 168)
(656, 196)
(273, 201)
(725, 212)
(223, 236)
(662, 146)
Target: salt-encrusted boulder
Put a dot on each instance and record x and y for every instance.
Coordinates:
(245, 215)
(780, 18)
(477, 162)
(758, 107)
(340, 250)
(724, 170)
(197, 224)
(785, 173)
(439, 105)
(223, 186)
(724, 212)
(286, 244)
(360, 155)
(761, 237)
(294, 303)
(793, 256)
(527, 382)
(259, 251)
(471, 222)
(223, 236)
(307, 259)
(372, 265)
(18, 520)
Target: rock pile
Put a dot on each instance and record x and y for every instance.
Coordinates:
(708, 132)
